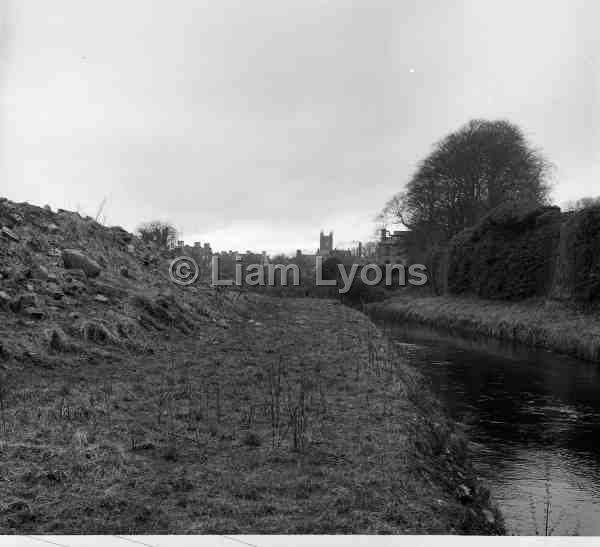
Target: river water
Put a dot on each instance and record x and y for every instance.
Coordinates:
(533, 418)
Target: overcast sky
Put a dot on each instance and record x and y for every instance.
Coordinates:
(254, 124)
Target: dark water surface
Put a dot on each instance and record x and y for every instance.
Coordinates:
(534, 417)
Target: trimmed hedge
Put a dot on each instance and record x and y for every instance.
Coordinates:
(510, 254)
(578, 269)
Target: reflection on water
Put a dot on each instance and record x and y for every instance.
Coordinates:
(534, 418)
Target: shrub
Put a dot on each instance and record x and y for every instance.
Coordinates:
(578, 269)
(509, 255)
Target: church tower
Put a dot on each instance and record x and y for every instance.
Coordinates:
(325, 244)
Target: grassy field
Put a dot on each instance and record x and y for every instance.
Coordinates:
(296, 418)
(537, 322)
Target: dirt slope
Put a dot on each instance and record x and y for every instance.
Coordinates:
(48, 309)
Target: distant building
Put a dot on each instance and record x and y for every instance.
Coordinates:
(202, 253)
(341, 252)
(171, 241)
(392, 248)
(325, 244)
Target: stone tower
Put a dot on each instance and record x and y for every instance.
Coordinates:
(325, 244)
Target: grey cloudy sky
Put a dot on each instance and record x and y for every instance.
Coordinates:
(255, 124)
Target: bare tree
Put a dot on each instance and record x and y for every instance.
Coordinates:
(582, 203)
(467, 174)
(156, 231)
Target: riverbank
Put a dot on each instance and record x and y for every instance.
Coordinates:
(131, 404)
(294, 417)
(537, 322)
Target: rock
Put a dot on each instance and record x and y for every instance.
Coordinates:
(35, 313)
(57, 294)
(126, 273)
(489, 516)
(15, 273)
(58, 340)
(9, 234)
(38, 272)
(108, 290)
(464, 493)
(27, 300)
(130, 249)
(222, 323)
(52, 278)
(19, 506)
(4, 301)
(75, 259)
(38, 245)
(48, 208)
(16, 218)
(94, 331)
(101, 298)
(77, 274)
(121, 235)
(74, 288)
(149, 258)
(52, 228)
(147, 322)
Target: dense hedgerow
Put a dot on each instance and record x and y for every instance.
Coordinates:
(437, 268)
(578, 270)
(509, 255)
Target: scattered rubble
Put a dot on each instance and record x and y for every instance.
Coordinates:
(64, 274)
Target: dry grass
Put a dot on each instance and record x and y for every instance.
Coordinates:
(537, 322)
(298, 418)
